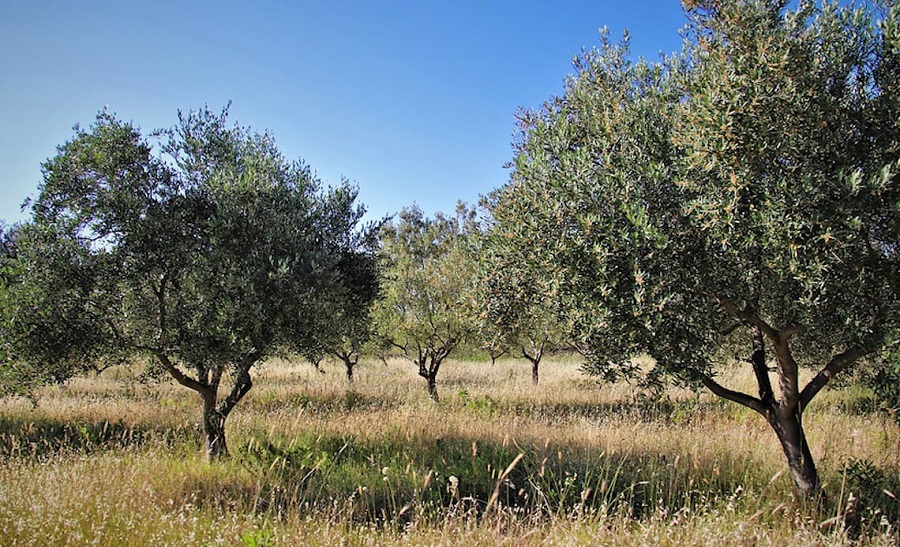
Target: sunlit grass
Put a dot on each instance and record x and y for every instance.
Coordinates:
(107, 460)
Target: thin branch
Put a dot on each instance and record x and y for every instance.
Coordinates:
(403, 350)
(162, 311)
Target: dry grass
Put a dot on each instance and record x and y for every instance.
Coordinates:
(106, 460)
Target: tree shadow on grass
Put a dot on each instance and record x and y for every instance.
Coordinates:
(325, 403)
(392, 480)
(38, 437)
(643, 410)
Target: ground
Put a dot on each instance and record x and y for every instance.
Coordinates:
(110, 460)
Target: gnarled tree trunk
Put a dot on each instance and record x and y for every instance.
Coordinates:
(537, 353)
(789, 428)
(428, 360)
(207, 386)
(784, 414)
(432, 389)
(429, 370)
(350, 361)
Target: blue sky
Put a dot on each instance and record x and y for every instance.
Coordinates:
(412, 100)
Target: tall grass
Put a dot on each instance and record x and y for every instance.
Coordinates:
(104, 460)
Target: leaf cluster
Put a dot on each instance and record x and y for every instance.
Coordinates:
(427, 275)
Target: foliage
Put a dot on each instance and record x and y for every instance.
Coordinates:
(344, 327)
(41, 295)
(428, 270)
(208, 255)
(882, 376)
(737, 199)
(519, 306)
(887, 386)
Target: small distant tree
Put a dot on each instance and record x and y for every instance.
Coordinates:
(206, 255)
(347, 328)
(739, 201)
(424, 312)
(517, 311)
(493, 346)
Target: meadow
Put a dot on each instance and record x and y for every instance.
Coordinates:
(110, 460)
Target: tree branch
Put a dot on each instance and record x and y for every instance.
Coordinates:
(837, 364)
(747, 316)
(242, 384)
(734, 396)
(787, 366)
(179, 376)
(758, 361)
(403, 350)
(789, 331)
(787, 370)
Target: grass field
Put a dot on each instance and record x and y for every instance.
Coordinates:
(109, 461)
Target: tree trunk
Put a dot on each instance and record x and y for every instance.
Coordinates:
(349, 366)
(432, 388)
(207, 386)
(785, 414)
(535, 358)
(350, 360)
(789, 429)
(429, 365)
(494, 355)
(213, 428)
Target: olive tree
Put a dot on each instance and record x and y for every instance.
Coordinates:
(518, 308)
(428, 270)
(345, 324)
(207, 254)
(735, 201)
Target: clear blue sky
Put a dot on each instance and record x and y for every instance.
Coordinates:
(412, 100)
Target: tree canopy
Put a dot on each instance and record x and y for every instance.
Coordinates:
(736, 200)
